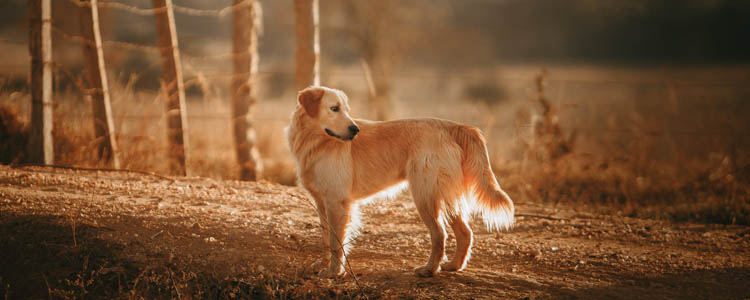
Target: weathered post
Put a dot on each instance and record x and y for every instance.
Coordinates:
(246, 20)
(104, 129)
(308, 43)
(177, 137)
(40, 146)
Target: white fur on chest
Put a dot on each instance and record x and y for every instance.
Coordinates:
(329, 175)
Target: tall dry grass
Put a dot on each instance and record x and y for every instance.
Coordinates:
(627, 180)
(140, 129)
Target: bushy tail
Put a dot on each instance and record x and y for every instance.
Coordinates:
(494, 205)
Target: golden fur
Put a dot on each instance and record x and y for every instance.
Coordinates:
(445, 164)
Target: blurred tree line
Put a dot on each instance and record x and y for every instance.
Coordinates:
(472, 31)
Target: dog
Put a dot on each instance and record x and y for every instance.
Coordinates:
(342, 161)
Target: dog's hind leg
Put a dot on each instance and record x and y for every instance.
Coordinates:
(437, 236)
(429, 205)
(464, 241)
(435, 179)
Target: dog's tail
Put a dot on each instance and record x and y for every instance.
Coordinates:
(494, 205)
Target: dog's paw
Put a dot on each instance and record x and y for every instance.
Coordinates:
(426, 271)
(450, 267)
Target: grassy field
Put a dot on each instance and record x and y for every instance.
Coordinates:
(665, 143)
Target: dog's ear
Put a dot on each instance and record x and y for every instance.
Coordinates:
(310, 98)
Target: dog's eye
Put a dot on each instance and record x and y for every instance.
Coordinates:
(335, 108)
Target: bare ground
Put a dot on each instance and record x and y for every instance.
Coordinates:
(82, 234)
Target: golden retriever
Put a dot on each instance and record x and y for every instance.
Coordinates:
(342, 161)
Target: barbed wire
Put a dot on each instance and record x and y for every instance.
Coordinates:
(106, 43)
(219, 13)
(191, 58)
(144, 48)
(124, 7)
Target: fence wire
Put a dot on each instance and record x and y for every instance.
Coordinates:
(219, 13)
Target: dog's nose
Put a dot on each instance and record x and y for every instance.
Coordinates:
(354, 129)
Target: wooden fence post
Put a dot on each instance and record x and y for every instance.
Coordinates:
(177, 137)
(246, 20)
(308, 43)
(40, 146)
(104, 129)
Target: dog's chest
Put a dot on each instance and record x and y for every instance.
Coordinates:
(327, 173)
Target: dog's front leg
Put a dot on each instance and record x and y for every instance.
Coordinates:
(325, 235)
(339, 218)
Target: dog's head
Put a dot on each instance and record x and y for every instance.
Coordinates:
(329, 108)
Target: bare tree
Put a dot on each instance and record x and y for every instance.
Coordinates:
(308, 43)
(246, 24)
(173, 86)
(104, 129)
(40, 146)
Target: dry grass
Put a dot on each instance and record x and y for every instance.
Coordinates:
(628, 181)
(536, 144)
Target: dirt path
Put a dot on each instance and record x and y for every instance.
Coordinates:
(74, 234)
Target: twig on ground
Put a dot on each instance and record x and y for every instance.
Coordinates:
(179, 296)
(157, 234)
(49, 290)
(541, 217)
(73, 227)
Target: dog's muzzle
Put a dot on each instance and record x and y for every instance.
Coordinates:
(353, 130)
(329, 132)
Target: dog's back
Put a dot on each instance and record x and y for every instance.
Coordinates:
(387, 152)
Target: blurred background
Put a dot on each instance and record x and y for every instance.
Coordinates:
(628, 107)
